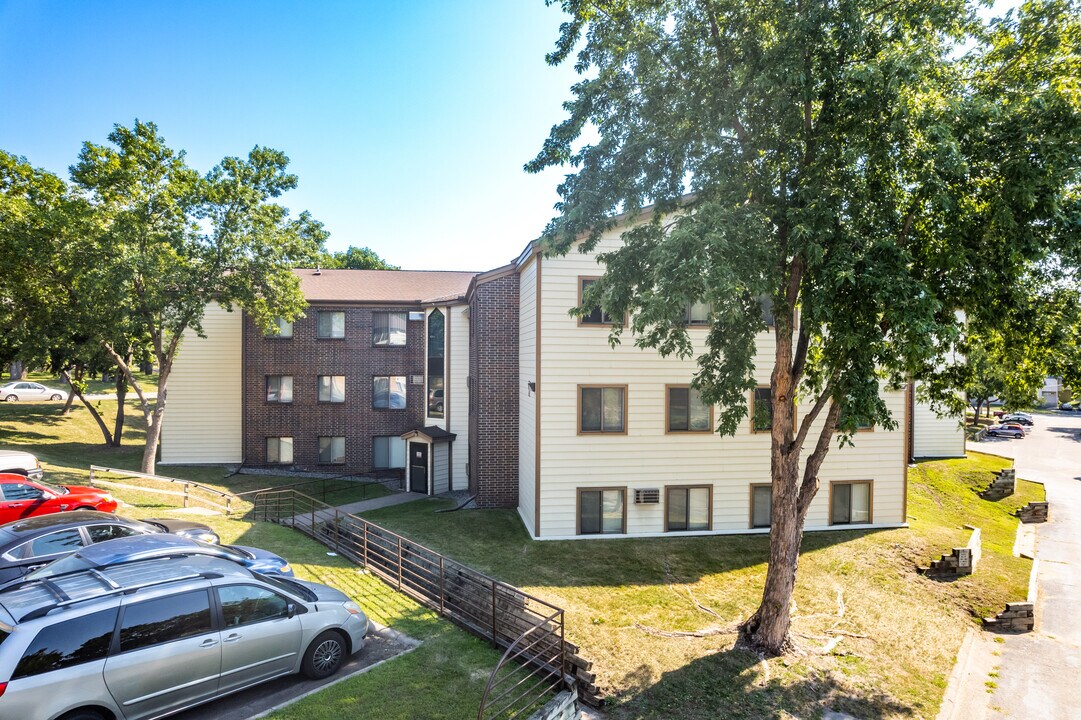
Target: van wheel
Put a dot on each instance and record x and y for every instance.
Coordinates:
(324, 656)
(83, 715)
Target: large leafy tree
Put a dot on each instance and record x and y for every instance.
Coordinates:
(44, 317)
(867, 166)
(171, 241)
(355, 258)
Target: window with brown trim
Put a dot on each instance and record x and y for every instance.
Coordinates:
(388, 392)
(279, 451)
(850, 503)
(696, 314)
(688, 508)
(765, 303)
(762, 409)
(686, 411)
(602, 409)
(761, 505)
(332, 450)
(332, 388)
(330, 324)
(389, 328)
(596, 316)
(279, 388)
(602, 511)
(282, 329)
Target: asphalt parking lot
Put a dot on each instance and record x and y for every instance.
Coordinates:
(382, 644)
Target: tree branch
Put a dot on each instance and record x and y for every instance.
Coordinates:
(726, 82)
(808, 420)
(799, 361)
(144, 404)
(814, 462)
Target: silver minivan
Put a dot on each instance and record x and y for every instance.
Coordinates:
(146, 639)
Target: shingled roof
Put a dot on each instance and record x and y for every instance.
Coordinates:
(406, 287)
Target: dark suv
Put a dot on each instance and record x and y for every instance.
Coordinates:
(146, 639)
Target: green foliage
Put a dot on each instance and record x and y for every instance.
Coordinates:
(869, 167)
(115, 267)
(845, 160)
(356, 259)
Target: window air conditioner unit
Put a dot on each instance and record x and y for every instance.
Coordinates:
(416, 379)
(647, 496)
(416, 315)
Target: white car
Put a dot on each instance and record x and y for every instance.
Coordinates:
(26, 390)
(17, 462)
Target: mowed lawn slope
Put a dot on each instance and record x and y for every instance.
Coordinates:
(657, 616)
(442, 679)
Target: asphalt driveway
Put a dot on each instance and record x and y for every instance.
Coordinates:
(1038, 674)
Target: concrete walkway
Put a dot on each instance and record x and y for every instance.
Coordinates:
(381, 502)
(307, 520)
(1036, 675)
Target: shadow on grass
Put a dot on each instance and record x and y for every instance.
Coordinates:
(731, 683)
(496, 543)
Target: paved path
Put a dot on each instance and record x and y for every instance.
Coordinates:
(1038, 674)
(304, 520)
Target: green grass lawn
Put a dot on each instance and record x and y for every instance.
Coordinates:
(69, 445)
(445, 676)
(149, 383)
(900, 631)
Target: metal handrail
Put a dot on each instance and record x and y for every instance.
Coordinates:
(413, 544)
(229, 497)
(411, 568)
(507, 657)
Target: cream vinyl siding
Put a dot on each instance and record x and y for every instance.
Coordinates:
(646, 457)
(204, 417)
(527, 408)
(457, 390)
(934, 436)
(440, 467)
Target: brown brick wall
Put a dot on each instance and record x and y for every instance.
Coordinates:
(306, 357)
(493, 407)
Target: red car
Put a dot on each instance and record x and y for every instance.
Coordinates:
(21, 497)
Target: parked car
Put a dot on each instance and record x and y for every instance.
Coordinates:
(146, 547)
(1026, 429)
(1067, 406)
(1019, 417)
(24, 390)
(150, 638)
(21, 497)
(26, 545)
(1005, 431)
(19, 462)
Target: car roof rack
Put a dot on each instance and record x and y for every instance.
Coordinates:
(32, 599)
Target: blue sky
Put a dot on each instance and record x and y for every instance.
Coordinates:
(407, 123)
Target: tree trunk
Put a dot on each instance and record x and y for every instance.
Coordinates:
(17, 370)
(93, 411)
(71, 393)
(153, 434)
(121, 395)
(768, 628)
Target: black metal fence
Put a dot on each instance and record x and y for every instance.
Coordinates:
(533, 668)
